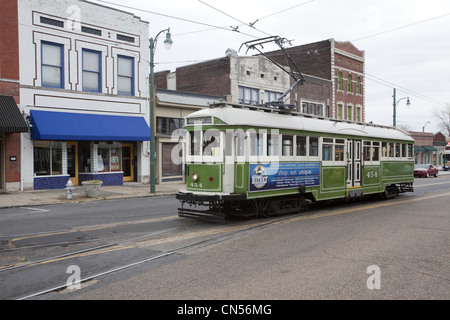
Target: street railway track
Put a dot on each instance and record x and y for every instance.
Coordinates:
(215, 234)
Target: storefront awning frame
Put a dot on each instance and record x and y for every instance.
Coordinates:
(67, 126)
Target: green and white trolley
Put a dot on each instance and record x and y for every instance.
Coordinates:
(255, 160)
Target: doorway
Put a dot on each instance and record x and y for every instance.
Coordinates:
(127, 162)
(72, 161)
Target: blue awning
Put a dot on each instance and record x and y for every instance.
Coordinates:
(65, 126)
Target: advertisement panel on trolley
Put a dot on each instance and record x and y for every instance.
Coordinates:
(283, 175)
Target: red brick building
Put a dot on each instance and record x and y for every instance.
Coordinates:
(339, 62)
(11, 120)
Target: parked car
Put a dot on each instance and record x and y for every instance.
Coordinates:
(425, 170)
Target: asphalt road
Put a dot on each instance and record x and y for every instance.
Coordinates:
(140, 249)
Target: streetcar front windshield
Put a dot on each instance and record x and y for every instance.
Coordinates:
(206, 143)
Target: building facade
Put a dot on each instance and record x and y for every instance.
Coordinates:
(12, 123)
(342, 64)
(430, 148)
(84, 90)
(243, 79)
(171, 109)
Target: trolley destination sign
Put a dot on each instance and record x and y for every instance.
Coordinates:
(281, 175)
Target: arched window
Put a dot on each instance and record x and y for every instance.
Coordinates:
(340, 81)
(350, 84)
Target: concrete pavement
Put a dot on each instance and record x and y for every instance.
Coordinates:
(43, 197)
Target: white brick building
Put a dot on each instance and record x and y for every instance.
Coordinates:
(84, 87)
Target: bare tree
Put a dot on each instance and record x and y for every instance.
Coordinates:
(443, 115)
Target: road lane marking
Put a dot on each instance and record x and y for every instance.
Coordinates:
(93, 228)
(34, 209)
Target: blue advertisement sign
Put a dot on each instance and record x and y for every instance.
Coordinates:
(284, 175)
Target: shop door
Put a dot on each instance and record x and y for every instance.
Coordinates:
(127, 162)
(72, 161)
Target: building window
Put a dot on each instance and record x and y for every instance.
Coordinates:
(52, 67)
(168, 125)
(97, 32)
(125, 75)
(272, 96)
(340, 81)
(350, 84)
(125, 38)
(248, 95)
(52, 22)
(47, 158)
(340, 111)
(305, 107)
(349, 113)
(358, 85)
(92, 67)
(358, 114)
(319, 110)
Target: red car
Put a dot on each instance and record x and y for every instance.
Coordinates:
(425, 170)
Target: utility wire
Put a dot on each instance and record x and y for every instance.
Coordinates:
(411, 92)
(174, 17)
(401, 27)
(242, 23)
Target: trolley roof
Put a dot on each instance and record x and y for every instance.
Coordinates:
(255, 116)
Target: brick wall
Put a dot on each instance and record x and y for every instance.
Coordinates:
(9, 85)
(161, 79)
(210, 77)
(312, 59)
(12, 149)
(422, 138)
(9, 45)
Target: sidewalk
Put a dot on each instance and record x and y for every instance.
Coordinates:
(43, 197)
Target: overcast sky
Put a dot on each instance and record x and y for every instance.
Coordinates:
(406, 43)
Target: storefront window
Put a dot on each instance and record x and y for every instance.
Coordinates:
(109, 157)
(47, 158)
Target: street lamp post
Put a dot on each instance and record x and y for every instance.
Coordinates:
(395, 103)
(168, 44)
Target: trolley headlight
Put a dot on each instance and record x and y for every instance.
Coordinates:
(194, 177)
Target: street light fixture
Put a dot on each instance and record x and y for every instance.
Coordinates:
(168, 44)
(395, 103)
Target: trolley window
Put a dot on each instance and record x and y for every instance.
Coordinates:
(256, 144)
(287, 145)
(339, 150)
(273, 142)
(327, 149)
(313, 146)
(300, 146)
(195, 146)
(211, 143)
